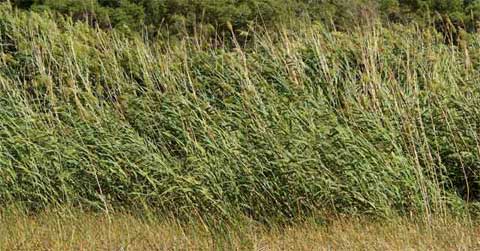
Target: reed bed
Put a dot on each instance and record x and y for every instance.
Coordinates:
(381, 121)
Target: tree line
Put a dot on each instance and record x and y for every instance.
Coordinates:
(239, 15)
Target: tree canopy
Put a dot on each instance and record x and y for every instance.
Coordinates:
(224, 15)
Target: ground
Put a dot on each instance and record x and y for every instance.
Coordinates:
(82, 231)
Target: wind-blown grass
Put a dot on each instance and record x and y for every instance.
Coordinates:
(86, 231)
(380, 121)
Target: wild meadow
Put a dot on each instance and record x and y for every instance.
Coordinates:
(269, 128)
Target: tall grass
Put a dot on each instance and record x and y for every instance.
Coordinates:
(379, 121)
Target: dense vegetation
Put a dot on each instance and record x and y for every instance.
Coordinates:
(211, 16)
(378, 119)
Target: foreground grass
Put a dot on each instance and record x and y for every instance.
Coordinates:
(381, 121)
(82, 231)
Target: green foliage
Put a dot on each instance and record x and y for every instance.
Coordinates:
(177, 15)
(221, 17)
(378, 121)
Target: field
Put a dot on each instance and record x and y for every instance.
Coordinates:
(79, 231)
(272, 129)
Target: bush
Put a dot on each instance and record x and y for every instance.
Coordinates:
(177, 15)
(191, 14)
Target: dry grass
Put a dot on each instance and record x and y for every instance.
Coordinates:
(81, 231)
